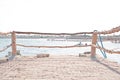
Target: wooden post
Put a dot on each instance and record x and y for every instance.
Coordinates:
(94, 41)
(14, 51)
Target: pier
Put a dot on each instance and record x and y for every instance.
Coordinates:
(60, 67)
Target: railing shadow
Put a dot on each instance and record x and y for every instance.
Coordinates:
(109, 67)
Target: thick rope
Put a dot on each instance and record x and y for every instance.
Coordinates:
(5, 48)
(53, 46)
(113, 30)
(18, 32)
(106, 50)
(1, 33)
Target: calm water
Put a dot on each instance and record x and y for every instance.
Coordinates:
(43, 42)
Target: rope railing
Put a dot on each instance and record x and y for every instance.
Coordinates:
(106, 50)
(52, 46)
(18, 32)
(113, 30)
(6, 47)
(93, 46)
(73, 46)
(1, 33)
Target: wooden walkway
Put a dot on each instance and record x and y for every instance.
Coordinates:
(59, 68)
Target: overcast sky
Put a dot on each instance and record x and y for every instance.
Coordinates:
(59, 15)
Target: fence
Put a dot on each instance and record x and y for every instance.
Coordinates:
(92, 45)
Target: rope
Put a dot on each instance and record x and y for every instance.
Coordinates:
(1, 33)
(113, 30)
(5, 48)
(18, 32)
(53, 46)
(103, 52)
(106, 50)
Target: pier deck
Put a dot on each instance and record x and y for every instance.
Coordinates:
(64, 67)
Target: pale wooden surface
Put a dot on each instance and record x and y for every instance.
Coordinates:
(59, 68)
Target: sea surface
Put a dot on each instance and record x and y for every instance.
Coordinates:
(57, 51)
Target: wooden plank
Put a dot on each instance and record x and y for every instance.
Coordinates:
(42, 55)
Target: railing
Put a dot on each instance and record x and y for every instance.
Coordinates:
(93, 44)
(1, 50)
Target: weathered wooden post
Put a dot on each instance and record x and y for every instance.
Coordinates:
(94, 41)
(14, 51)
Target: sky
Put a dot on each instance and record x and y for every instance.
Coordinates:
(59, 16)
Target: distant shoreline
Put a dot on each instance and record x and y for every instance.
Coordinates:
(115, 38)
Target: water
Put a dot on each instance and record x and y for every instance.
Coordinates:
(44, 42)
